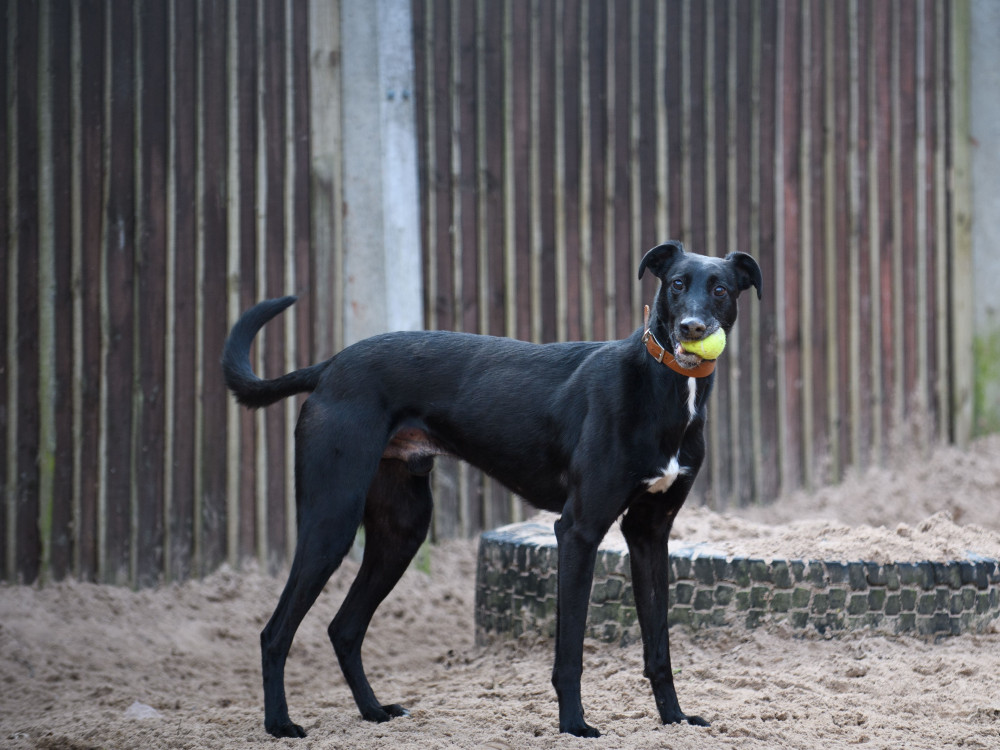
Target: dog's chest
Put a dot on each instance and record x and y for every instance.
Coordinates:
(665, 478)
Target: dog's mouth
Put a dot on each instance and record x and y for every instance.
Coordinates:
(686, 359)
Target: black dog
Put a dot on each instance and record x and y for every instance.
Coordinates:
(591, 430)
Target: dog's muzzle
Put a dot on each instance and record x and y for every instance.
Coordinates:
(666, 357)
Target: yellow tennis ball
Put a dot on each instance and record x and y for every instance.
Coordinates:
(709, 347)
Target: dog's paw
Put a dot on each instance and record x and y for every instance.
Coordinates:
(284, 728)
(381, 714)
(583, 729)
(682, 718)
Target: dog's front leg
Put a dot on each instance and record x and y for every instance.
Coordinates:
(646, 528)
(577, 554)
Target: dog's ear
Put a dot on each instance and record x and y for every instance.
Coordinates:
(660, 258)
(747, 272)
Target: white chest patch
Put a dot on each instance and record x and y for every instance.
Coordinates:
(667, 477)
(692, 394)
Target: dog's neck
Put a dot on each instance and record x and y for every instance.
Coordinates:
(666, 357)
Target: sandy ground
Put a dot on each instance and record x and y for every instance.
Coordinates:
(76, 658)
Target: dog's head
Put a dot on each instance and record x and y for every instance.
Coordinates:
(697, 294)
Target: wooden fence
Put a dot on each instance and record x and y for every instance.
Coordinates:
(560, 140)
(160, 174)
(156, 181)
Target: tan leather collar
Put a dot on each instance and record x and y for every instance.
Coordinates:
(665, 357)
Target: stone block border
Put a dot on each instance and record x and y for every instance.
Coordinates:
(516, 591)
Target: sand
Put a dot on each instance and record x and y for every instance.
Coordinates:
(85, 666)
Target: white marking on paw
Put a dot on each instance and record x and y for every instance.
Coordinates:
(667, 477)
(692, 393)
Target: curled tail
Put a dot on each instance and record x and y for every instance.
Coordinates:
(251, 391)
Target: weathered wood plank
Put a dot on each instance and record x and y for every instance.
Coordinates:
(8, 425)
(248, 244)
(272, 68)
(182, 552)
(151, 297)
(62, 540)
(118, 294)
(87, 281)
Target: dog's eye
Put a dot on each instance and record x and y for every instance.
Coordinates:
(678, 285)
(720, 291)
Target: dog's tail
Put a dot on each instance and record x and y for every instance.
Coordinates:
(251, 391)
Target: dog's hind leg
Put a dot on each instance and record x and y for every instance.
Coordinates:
(397, 516)
(577, 548)
(317, 555)
(331, 479)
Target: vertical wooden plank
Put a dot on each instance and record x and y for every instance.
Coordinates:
(464, 162)
(597, 148)
(941, 87)
(804, 58)
(302, 259)
(45, 332)
(585, 177)
(894, 344)
(838, 230)
(27, 545)
(568, 213)
(423, 97)
(960, 219)
(791, 186)
(765, 341)
(273, 124)
(247, 62)
(520, 155)
(747, 223)
(234, 414)
(852, 190)
(214, 151)
(182, 286)
(8, 26)
(534, 173)
(880, 234)
(439, 30)
(89, 120)
(773, 107)
(816, 291)
(151, 301)
(926, 71)
(325, 138)
(262, 428)
(619, 252)
(908, 318)
(62, 531)
(117, 301)
(672, 93)
(696, 146)
(651, 157)
(543, 63)
(649, 99)
(559, 159)
(290, 276)
(861, 95)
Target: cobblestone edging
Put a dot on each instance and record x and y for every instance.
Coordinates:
(516, 591)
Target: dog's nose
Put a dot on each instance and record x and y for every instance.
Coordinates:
(692, 329)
